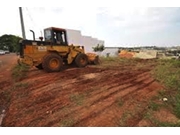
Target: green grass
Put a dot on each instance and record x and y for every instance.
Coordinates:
(19, 72)
(177, 105)
(167, 72)
(154, 106)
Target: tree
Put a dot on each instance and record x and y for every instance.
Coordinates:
(99, 48)
(9, 42)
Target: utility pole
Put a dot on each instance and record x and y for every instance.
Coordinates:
(22, 23)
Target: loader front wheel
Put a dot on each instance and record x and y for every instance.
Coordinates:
(96, 61)
(39, 67)
(81, 60)
(52, 63)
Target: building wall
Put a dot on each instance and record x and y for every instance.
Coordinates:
(76, 38)
(113, 52)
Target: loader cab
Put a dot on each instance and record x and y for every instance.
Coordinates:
(56, 35)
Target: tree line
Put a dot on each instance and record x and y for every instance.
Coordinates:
(10, 43)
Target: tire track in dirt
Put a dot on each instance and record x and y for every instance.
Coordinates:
(37, 92)
(98, 99)
(109, 99)
(48, 101)
(150, 89)
(100, 118)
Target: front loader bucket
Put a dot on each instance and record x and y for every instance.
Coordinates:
(93, 58)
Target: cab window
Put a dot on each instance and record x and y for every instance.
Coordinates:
(47, 35)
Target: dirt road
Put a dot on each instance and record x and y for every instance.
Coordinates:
(93, 96)
(6, 63)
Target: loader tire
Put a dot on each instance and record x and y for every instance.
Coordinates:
(52, 63)
(81, 60)
(39, 67)
(96, 61)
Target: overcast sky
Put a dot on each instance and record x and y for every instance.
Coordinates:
(117, 26)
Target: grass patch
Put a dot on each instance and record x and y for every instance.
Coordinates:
(156, 123)
(21, 85)
(154, 106)
(177, 105)
(67, 122)
(167, 124)
(6, 96)
(19, 72)
(116, 61)
(123, 120)
(168, 73)
(77, 98)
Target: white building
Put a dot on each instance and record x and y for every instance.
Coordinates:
(76, 38)
(112, 52)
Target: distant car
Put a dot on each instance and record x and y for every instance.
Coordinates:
(2, 52)
(6, 51)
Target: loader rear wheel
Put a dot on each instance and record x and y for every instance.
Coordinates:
(81, 60)
(52, 63)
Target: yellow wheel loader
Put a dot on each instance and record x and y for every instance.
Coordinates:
(54, 52)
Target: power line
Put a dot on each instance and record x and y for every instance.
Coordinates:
(31, 18)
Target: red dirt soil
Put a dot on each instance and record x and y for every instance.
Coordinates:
(6, 64)
(90, 96)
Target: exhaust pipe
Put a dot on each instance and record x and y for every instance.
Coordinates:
(33, 34)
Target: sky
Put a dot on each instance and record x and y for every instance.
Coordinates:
(124, 26)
